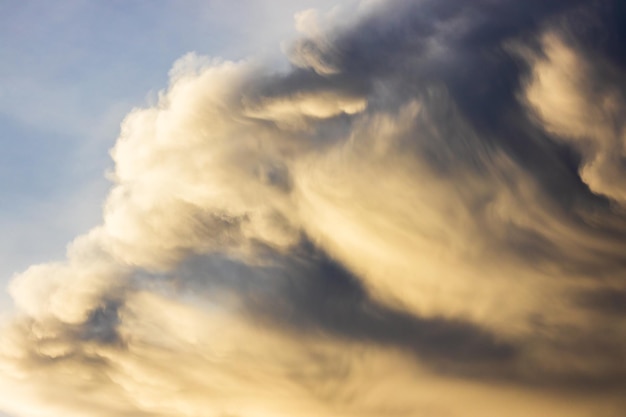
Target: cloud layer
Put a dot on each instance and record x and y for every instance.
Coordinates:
(426, 205)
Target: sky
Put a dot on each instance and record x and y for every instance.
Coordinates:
(274, 208)
(70, 72)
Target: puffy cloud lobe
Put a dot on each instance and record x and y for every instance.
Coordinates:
(207, 166)
(581, 111)
(394, 220)
(68, 291)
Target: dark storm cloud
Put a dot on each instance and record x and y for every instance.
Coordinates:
(606, 301)
(458, 43)
(473, 62)
(468, 50)
(464, 48)
(309, 292)
(101, 324)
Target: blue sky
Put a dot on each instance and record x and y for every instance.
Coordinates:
(70, 71)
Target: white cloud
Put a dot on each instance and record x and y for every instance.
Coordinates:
(582, 112)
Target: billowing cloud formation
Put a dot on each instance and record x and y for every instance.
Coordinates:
(427, 205)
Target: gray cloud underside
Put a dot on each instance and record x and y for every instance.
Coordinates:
(428, 205)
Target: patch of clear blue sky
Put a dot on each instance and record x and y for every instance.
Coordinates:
(69, 72)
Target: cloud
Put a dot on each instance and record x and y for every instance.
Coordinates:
(578, 106)
(180, 359)
(426, 205)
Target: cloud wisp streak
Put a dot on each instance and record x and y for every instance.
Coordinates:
(428, 204)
